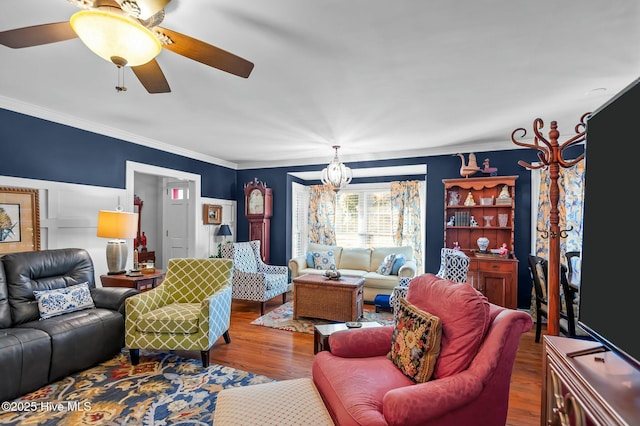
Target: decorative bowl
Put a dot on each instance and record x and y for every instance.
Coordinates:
(332, 274)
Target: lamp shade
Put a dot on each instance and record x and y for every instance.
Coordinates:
(115, 37)
(117, 224)
(224, 230)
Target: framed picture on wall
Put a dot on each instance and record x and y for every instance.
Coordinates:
(19, 220)
(212, 214)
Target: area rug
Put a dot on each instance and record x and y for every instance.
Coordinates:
(163, 389)
(282, 319)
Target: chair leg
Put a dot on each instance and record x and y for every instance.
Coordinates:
(263, 305)
(284, 297)
(135, 356)
(205, 358)
(227, 338)
(538, 328)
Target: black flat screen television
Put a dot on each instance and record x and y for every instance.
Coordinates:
(609, 307)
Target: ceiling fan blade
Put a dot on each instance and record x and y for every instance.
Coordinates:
(206, 53)
(37, 35)
(152, 77)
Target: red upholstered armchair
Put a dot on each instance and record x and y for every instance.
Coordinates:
(470, 382)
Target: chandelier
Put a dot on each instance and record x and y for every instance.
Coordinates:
(336, 174)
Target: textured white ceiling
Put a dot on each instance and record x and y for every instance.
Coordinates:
(382, 79)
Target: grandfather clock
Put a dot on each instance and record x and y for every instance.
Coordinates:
(258, 210)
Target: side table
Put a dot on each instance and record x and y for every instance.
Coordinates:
(322, 332)
(142, 282)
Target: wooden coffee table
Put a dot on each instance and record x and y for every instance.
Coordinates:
(316, 296)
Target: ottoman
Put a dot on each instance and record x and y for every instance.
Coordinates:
(285, 403)
(382, 302)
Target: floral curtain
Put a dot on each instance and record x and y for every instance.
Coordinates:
(405, 206)
(570, 208)
(322, 212)
(571, 185)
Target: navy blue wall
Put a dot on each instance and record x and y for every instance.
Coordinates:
(438, 168)
(40, 149)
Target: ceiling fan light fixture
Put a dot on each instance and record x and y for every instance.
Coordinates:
(111, 35)
(336, 174)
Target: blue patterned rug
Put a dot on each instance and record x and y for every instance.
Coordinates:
(163, 389)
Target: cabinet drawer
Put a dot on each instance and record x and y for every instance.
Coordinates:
(144, 285)
(495, 266)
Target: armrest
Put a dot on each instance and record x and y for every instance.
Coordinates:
(437, 397)
(297, 264)
(146, 302)
(361, 342)
(273, 269)
(220, 303)
(112, 297)
(409, 269)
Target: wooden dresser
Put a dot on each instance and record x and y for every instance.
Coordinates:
(595, 389)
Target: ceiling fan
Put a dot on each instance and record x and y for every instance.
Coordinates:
(127, 33)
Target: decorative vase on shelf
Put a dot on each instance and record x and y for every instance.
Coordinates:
(483, 244)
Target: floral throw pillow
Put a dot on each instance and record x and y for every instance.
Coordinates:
(386, 265)
(415, 343)
(324, 260)
(60, 301)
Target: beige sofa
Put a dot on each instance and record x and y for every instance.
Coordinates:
(360, 262)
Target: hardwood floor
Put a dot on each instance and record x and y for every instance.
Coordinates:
(285, 355)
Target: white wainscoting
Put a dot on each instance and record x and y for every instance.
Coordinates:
(69, 216)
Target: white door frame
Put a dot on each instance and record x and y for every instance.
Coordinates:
(133, 167)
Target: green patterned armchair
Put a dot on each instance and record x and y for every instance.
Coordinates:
(189, 311)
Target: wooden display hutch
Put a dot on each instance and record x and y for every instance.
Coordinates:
(494, 275)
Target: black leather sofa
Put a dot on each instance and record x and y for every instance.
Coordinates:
(35, 352)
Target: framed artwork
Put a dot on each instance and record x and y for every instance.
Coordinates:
(212, 214)
(19, 220)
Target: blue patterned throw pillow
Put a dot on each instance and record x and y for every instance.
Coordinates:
(397, 263)
(60, 301)
(386, 265)
(324, 260)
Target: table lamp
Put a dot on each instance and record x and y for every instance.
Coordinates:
(224, 230)
(117, 225)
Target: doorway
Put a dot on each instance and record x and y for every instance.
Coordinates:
(187, 181)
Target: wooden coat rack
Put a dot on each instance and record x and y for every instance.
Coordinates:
(550, 155)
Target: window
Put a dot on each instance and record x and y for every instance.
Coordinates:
(299, 228)
(363, 217)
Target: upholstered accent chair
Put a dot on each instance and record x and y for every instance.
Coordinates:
(252, 278)
(361, 385)
(189, 311)
(454, 266)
